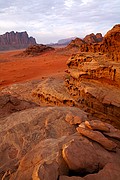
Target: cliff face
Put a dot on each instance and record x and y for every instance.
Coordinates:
(18, 40)
(94, 81)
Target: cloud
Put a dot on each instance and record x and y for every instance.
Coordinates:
(49, 21)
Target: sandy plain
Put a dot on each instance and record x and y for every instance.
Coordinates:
(15, 68)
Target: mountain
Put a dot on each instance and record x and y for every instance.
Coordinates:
(65, 41)
(18, 40)
(88, 39)
(92, 38)
(62, 42)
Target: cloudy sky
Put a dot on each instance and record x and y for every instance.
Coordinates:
(51, 20)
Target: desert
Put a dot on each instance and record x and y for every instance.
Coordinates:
(60, 110)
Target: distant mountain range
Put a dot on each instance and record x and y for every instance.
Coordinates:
(18, 40)
(62, 42)
(90, 39)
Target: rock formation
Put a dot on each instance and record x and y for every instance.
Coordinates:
(18, 40)
(109, 45)
(64, 129)
(35, 50)
(92, 38)
(76, 43)
(95, 82)
(10, 104)
(40, 141)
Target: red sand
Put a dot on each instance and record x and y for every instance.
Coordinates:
(15, 69)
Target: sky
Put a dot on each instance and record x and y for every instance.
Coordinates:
(51, 20)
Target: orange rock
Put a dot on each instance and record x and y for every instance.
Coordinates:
(98, 137)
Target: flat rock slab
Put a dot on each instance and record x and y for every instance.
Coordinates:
(52, 91)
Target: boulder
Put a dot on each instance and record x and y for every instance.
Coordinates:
(98, 137)
(111, 171)
(80, 156)
(97, 125)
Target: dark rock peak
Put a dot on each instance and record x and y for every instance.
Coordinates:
(15, 40)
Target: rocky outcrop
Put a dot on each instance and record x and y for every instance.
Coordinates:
(35, 50)
(40, 141)
(22, 131)
(18, 40)
(10, 104)
(94, 81)
(52, 92)
(76, 43)
(110, 44)
(92, 38)
(61, 143)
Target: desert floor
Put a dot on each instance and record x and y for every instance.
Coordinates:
(14, 68)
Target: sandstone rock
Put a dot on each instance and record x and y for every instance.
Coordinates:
(21, 91)
(114, 133)
(35, 50)
(89, 39)
(22, 131)
(52, 91)
(93, 83)
(70, 118)
(75, 43)
(46, 171)
(70, 178)
(10, 104)
(80, 156)
(92, 38)
(44, 161)
(111, 171)
(31, 146)
(98, 137)
(110, 44)
(94, 66)
(18, 40)
(97, 125)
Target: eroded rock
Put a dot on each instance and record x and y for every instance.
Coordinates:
(80, 156)
(54, 92)
(98, 137)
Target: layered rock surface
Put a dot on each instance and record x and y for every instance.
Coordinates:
(52, 91)
(94, 81)
(40, 141)
(18, 40)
